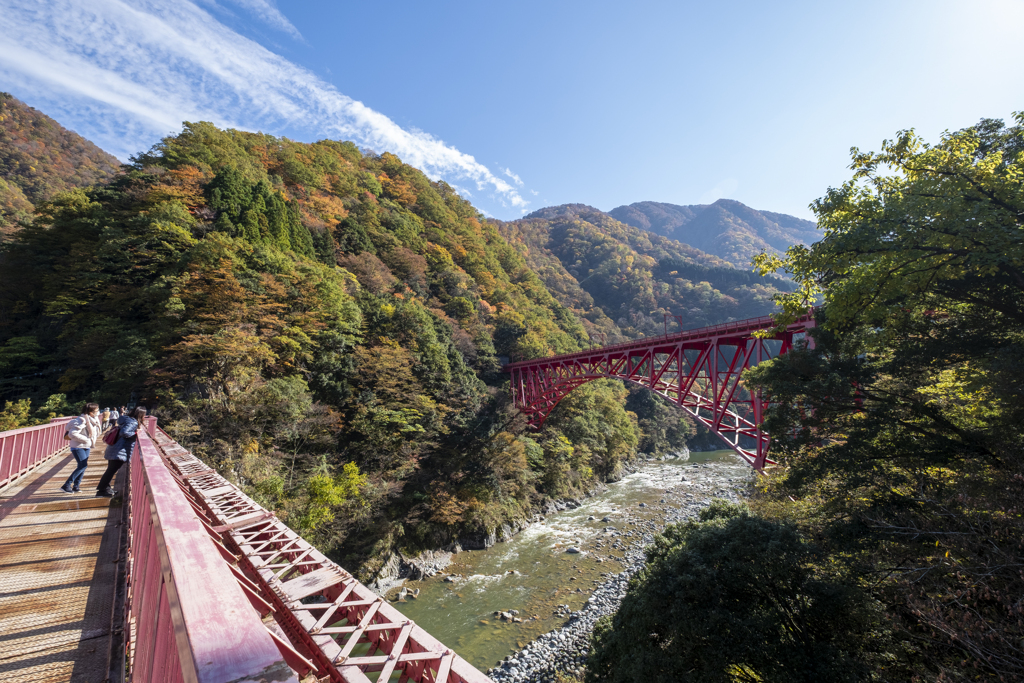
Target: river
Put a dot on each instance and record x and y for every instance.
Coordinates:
(533, 572)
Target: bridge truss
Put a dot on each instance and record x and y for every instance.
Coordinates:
(699, 370)
(264, 605)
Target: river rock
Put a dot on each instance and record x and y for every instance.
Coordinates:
(426, 564)
(479, 540)
(389, 576)
(483, 539)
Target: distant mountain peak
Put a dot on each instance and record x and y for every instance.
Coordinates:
(726, 228)
(562, 210)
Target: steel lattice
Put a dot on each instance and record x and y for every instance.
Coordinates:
(699, 370)
(325, 621)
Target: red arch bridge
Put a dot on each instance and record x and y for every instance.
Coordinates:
(181, 578)
(697, 369)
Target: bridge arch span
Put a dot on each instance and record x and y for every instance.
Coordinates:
(698, 370)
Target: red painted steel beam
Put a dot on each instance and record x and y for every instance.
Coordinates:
(23, 450)
(206, 629)
(709, 388)
(321, 614)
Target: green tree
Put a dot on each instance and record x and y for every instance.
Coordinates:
(16, 414)
(920, 269)
(326, 492)
(901, 428)
(734, 598)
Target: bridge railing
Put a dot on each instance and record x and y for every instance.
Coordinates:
(186, 618)
(328, 625)
(22, 450)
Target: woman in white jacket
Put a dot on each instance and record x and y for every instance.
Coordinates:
(83, 432)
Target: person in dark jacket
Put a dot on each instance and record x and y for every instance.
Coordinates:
(117, 453)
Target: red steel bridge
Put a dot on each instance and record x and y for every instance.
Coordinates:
(181, 578)
(698, 370)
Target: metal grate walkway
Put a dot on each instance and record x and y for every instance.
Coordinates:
(57, 571)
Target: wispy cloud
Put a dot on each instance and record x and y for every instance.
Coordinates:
(514, 177)
(265, 11)
(136, 70)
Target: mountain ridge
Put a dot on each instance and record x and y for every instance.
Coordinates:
(725, 228)
(621, 280)
(39, 158)
(328, 324)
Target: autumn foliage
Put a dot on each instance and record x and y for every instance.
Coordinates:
(324, 325)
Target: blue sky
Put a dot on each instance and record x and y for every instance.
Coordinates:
(529, 104)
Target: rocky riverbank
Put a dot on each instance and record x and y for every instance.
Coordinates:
(565, 649)
(397, 568)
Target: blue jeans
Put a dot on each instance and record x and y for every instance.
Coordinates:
(82, 458)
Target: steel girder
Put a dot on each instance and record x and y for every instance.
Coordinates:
(699, 370)
(325, 623)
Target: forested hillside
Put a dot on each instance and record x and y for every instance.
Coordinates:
(38, 158)
(727, 228)
(322, 325)
(622, 280)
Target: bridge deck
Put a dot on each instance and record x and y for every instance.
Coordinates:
(57, 573)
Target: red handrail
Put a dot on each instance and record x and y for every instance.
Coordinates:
(24, 449)
(305, 596)
(186, 618)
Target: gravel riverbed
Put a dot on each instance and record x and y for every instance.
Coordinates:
(565, 649)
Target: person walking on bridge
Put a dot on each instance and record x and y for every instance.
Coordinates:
(117, 453)
(114, 415)
(83, 433)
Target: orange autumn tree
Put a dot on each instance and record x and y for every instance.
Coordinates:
(223, 351)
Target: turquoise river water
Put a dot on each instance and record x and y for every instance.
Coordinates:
(534, 574)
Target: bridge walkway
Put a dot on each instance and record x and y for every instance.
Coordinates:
(58, 556)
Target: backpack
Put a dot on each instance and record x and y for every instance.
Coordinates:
(67, 430)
